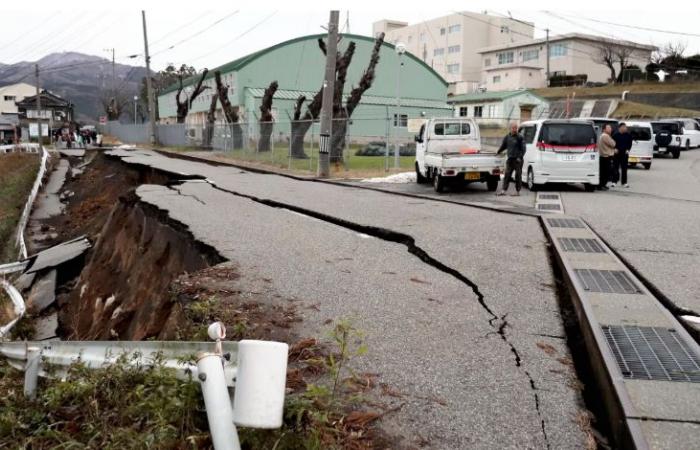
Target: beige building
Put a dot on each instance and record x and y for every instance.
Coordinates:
(13, 93)
(523, 65)
(451, 44)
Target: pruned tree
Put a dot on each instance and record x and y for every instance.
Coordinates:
(622, 55)
(230, 112)
(606, 55)
(266, 119)
(114, 104)
(211, 121)
(183, 106)
(162, 80)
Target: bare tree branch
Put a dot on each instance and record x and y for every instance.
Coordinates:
(367, 77)
(297, 106)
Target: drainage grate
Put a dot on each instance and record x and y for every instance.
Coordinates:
(608, 281)
(549, 206)
(581, 245)
(651, 353)
(549, 196)
(565, 223)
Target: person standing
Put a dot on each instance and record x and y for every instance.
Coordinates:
(623, 145)
(515, 144)
(606, 151)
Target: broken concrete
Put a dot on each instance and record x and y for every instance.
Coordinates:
(46, 327)
(58, 254)
(43, 293)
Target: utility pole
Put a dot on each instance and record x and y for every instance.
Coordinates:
(149, 88)
(547, 50)
(38, 103)
(327, 103)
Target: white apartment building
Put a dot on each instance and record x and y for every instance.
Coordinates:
(523, 65)
(451, 44)
(13, 93)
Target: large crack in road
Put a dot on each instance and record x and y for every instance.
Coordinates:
(498, 323)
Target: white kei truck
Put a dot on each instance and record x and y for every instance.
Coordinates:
(449, 152)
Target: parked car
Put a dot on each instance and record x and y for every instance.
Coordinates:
(667, 137)
(560, 151)
(378, 148)
(690, 136)
(642, 151)
(599, 122)
(448, 152)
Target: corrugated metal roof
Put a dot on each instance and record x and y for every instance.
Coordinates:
(366, 99)
(489, 95)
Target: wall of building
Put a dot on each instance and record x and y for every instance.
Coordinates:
(18, 91)
(514, 78)
(501, 112)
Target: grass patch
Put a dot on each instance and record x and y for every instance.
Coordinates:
(641, 110)
(616, 90)
(17, 174)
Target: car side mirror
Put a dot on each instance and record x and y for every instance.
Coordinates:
(417, 138)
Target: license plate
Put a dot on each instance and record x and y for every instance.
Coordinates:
(633, 160)
(472, 176)
(570, 157)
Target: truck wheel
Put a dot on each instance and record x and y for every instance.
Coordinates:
(531, 180)
(492, 183)
(687, 144)
(439, 183)
(420, 179)
(676, 152)
(647, 166)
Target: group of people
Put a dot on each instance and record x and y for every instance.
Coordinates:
(77, 138)
(614, 150)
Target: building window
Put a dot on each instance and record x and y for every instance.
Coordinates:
(438, 51)
(454, 28)
(453, 68)
(10, 98)
(496, 79)
(442, 31)
(478, 111)
(403, 119)
(487, 62)
(505, 29)
(558, 50)
(463, 111)
(422, 37)
(492, 111)
(529, 55)
(453, 49)
(505, 57)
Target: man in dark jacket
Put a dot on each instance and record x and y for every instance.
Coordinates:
(623, 144)
(515, 144)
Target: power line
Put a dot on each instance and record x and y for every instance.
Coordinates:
(634, 27)
(181, 41)
(175, 30)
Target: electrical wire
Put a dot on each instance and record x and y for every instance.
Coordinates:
(635, 27)
(182, 41)
(178, 29)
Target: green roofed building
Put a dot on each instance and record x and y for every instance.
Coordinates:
(498, 108)
(298, 66)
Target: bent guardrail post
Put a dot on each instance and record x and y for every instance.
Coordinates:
(31, 371)
(19, 305)
(211, 376)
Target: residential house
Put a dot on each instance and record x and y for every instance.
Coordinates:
(523, 64)
(13, 93)
(56, 112)
(499, 108)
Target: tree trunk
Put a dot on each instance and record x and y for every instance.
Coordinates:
(299, 130)
(230, 112)
(183, 107)
(211, 121)
(338, 132)
(266, 119)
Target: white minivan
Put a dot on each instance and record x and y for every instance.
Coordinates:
(642, 151)
(560, 151)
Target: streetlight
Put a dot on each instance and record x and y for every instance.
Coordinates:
(400, 50)
(136, 97)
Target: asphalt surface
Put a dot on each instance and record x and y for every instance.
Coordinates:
(431, 324)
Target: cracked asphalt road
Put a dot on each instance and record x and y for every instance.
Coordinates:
(465, 384)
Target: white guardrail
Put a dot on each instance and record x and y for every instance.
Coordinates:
(257, 370)
(30, 201)
(17, 301)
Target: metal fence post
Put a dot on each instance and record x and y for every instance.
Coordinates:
(217, 401)
(31, 371)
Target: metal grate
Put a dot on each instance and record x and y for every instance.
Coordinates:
(652, 353)
(608, 281)
(565, 223)
(549, 196)
(549, 206)
(581, 245)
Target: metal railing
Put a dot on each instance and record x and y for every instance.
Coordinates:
(24, 218)
(256, 369)
(19, 306)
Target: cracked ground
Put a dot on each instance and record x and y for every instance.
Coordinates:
(467, 336)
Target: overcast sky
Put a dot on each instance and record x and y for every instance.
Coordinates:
(221, 31)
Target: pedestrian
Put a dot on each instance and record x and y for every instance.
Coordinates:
(515, 144)
(606, 151)
(623, 144)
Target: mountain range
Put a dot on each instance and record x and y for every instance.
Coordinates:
(80, 78)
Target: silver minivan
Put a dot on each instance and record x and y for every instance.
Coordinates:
(642, 150)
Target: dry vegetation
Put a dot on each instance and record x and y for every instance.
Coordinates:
(17, 175)
(616, 90)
